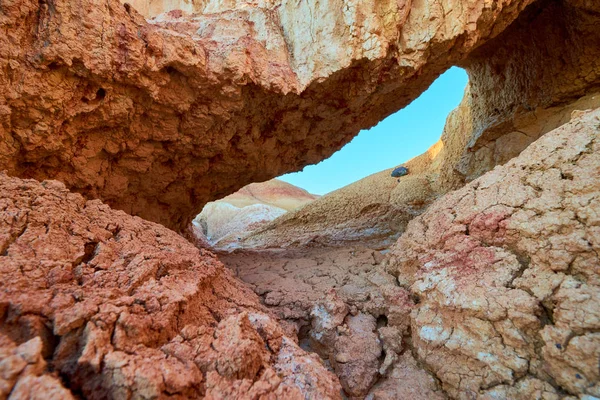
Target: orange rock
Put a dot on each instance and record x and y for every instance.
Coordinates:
(158, 117)
(122, 307)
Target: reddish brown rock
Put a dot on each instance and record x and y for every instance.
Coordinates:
(523, 84)
(341, 303)
(406, 381)
(506, 274)
(23, 372)
(121, 307)
(356, 354)
(157, 118)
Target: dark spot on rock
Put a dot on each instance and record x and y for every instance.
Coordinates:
(89, 251)
(416, 299)
(100, 94)
(400, 171)
(558, 346)
(578, 376)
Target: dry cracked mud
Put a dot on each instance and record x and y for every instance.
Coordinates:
(344, 306)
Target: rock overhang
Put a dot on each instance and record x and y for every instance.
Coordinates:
(193, 107)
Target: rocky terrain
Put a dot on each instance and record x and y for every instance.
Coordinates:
(375, 210)
(494, 289)
(125, 308)
(474, 276)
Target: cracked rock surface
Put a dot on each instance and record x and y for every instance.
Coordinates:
(506, 270)
(102, 304)
(23, 372)
(345, 307)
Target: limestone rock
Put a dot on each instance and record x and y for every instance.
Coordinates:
(125, 308)
(158, 117)
(506, 274)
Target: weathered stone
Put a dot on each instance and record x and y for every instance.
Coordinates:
(132, 309)
(340, 302)
(506, 273)
(223, 223)
(400, 171)
(157, 118)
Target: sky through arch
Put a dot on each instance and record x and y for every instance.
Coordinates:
(398, 138)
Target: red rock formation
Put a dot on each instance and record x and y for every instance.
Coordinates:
(122, 307)
(158, 118)
(24, 374)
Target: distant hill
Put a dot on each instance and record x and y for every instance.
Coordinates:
(224, 222)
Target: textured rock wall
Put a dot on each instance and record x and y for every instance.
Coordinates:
(548, 58)
(125, 308)
(505, 271)
(522, 85)
(158, 118)
(375, 210)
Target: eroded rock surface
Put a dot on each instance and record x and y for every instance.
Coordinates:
(375, 210)
(344, 307)
(506, 273)
(523, 84)
(124, 308)
(23, 372)
(157, 118)
(222, 223)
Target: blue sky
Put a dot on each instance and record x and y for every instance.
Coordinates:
(398, 138)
